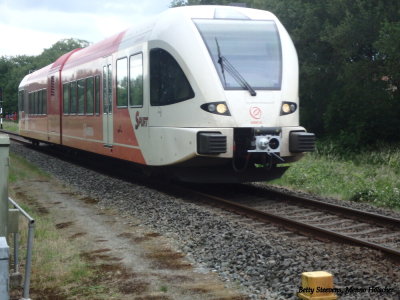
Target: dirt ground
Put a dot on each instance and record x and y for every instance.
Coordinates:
(139, 263)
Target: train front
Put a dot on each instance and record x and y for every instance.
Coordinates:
(249, 95)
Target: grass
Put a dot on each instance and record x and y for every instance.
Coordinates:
(10, 126)
(369, 176)
(59, 271)
(21, 169)
(56, 264)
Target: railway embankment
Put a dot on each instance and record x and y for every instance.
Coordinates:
(265, 262)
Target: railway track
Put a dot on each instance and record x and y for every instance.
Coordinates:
(314, 218)
(307, 216)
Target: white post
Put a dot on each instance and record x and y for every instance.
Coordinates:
(4, 163)
(4, 277)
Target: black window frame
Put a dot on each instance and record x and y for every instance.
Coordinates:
(36, 102)
(67, 102)
(119, 97)
(131, 84)
(87, 100)
(160, 74)
(74, 98)
(21, 103)
(81, 95)
(44, 102)
(97, 91)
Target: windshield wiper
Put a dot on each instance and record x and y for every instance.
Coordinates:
(226, 65)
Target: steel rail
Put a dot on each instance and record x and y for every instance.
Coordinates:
(350, 212)
(296, 225)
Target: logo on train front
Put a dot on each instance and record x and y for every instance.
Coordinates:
(255, 112)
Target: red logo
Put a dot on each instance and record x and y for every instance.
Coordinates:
(255, 112)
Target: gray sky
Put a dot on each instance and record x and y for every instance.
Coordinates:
(29, 26)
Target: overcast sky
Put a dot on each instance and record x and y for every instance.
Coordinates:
(29, 26)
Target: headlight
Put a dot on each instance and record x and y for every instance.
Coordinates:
(288, 108)
(211, 107)
(222, 108)
(219, 108)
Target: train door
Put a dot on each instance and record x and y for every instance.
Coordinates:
(107, 103)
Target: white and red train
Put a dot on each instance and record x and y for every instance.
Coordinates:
(206, 93)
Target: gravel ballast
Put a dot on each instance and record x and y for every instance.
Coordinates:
(265, 261)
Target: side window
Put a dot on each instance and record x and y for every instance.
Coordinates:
(97, 95)
(89, 95)
(30, 103)
(40, 104)
(66, 99)
(168, 83)
(44, 108)
(107, 89)
(81, 96)
(21, 100)
(32, 109)
(136, 80)
(122, 82)
(36, 101)
(73, 97)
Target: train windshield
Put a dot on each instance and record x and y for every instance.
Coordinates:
(247, 54)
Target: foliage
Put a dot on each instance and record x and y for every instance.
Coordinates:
(369, 176)
(349, 54)
(13, 69)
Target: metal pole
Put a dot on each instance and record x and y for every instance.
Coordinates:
(28, 261)
(16, 246)
(4, 163)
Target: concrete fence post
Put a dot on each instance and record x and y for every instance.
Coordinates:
(4, 249)
(4, 277)
(4, 164)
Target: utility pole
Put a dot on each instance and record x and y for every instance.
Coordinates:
(1, 108)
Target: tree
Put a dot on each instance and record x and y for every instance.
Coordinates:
(13, 69)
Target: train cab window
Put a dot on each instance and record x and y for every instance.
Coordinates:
(122, 82)
(73, 97)
(66, 99)
(136, 80)
(168, 83)
(97, 95)
(81, 96)
(251, 49)
(89, 95)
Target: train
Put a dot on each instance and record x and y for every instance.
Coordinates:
(199, 93)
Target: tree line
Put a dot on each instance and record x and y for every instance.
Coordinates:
(13, 69)
(349, 56)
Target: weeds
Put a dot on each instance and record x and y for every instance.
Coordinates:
(10, 126)
(368, 176)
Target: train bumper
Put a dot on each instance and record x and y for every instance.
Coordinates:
(301, 142)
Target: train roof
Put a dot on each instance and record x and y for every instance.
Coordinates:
(152, 29)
